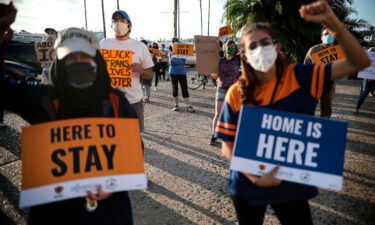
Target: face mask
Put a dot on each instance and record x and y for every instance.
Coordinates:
(52, 37)
(81, 74)
(328, 39)
(230, 51)
(262, 58)
(120, 29)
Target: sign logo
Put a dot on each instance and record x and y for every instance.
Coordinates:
(262, 167)
(59, 189)
(111, 183)
(305, 176)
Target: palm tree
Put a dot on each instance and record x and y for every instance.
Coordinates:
(295, 34)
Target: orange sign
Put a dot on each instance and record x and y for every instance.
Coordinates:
(183, 49)
(118, 66)
(225, 32)
(57, 154)
(328, 55)
(156, 52)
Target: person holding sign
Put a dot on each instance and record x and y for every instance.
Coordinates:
(141, 65)
(52, 35)
(266, 81)
(229, 72)
(178, 75)
(367, 86)
(80, 89)
(327, 42)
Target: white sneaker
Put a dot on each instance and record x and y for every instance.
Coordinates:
(155, 88)
(2, 124)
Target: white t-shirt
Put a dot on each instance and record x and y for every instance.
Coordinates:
(140, 55)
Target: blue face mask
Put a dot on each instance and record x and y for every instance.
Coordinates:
(328, 39)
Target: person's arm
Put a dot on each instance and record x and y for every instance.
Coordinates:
(356, 58)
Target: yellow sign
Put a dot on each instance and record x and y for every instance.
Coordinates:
(118, 67)
(328, 55)
(44, 51)
(156, 52)
(60, 155)
(225, 32)
(183, 49)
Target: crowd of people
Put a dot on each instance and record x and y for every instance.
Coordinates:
(77, 85)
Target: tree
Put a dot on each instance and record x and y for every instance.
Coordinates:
(295, 34)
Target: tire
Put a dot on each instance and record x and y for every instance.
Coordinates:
(194, 81)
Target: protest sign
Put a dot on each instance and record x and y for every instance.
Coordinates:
(180, 49)
(207, 54)
(225, 32)
(44, 51)
(63, 159)
(156, 52)
(310, 150)
(369, 72)
(328, 55)
(118, 67)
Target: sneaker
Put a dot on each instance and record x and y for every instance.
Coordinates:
(2, 124)
(213, 140)
(155, 88)
(355, 112)
(190, 109)
(176, 108)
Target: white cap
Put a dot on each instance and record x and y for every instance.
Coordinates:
(76, 40)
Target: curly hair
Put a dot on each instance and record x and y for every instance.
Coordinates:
(248, 80)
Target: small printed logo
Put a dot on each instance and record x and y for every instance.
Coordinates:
(59, 189)
(262, 167)
(111, 183)
(305, 176)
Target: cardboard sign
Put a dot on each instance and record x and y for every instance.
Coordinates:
(328, 55)
(180, 49)
(156, 53)
(369, 72)
(207, 50)
(63, 159)
(118, 66)
(44, 51)
(224, 32)
(310, 150)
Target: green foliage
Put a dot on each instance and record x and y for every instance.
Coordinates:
(295, 34)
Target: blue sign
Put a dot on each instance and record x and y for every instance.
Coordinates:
(310, 150)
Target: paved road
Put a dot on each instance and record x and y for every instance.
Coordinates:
(187, 177)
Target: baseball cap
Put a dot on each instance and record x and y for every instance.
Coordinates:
(123, 13)
(76, 40)
(49, 29)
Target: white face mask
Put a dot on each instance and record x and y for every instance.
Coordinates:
(262, 58)
(52, 37)
(120, 29)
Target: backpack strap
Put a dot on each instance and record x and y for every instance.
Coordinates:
(115, 102)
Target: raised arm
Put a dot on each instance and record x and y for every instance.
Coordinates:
(356, 58)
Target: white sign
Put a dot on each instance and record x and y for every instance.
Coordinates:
(369, 72)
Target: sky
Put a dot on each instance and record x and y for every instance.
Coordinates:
(151, 19)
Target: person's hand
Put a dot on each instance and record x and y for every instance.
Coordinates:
(100, 196)
(136, 67)
(214, 75)
(267, 180)
(321, 12)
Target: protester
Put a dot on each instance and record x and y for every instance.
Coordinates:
(229, 72)
(52, 35)
(146, 83)
(327, 98)
(164, 60)
(368, 85)
(141, 60)
(267, 82)
(80, 88)
(7, 17)
(157, 66)
(178, 75)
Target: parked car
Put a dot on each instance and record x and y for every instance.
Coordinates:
(19, 71)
